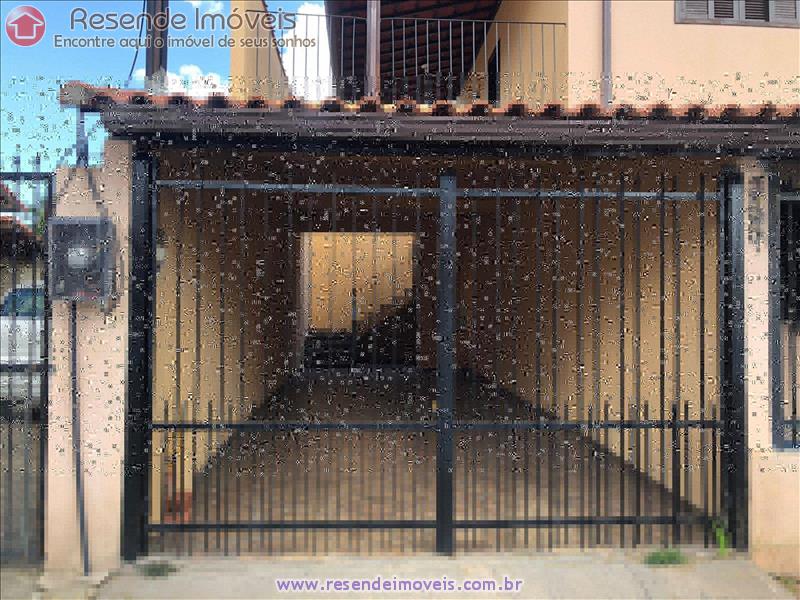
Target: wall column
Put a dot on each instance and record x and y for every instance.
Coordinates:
(773, 473)
(102, 340)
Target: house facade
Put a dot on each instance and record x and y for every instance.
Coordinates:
(557, 52)
(502, 276)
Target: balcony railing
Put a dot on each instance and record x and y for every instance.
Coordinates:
(423, 59)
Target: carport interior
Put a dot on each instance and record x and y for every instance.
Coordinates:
(301, 371)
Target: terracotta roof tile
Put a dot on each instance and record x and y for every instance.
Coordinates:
(9, 202)
(99, 99)
(25, 233)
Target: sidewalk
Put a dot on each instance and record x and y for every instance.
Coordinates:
(17, 583)
(595, 574)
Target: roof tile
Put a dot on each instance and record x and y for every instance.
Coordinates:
(101, 99)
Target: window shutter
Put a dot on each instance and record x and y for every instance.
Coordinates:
(723, 9)
(695, 9)
(756, 10)
(739, 11)
(784, 10)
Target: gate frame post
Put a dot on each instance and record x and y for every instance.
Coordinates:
(445, 361)
(138, 412)
(774, 311)
(733, 414)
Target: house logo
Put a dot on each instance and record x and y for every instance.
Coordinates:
(25, 25)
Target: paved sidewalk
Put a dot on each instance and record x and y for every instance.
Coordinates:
(590, 575)
(595, 574)
(18, 583)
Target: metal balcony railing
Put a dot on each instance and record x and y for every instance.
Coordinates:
(425, 59)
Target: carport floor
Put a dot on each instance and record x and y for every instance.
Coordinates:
(345, 474)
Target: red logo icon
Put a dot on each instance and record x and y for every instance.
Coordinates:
(25, 25)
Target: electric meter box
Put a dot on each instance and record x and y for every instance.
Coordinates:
(81, 259)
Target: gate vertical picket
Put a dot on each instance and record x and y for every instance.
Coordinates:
(445, 362)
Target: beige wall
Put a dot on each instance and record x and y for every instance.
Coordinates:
(378, 265)
(773, 474)
(654, 59)
(102, 366)
(533, 44)
(585, 48)
(255, 71)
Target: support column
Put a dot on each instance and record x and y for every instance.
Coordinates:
(445, 362)
(773, 473)
(140, 355)
(156, 52)
(733, 411)
(256, 69)
(102, 353)
(373, 48)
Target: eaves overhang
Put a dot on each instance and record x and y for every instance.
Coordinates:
(760, 131)
(751, 138)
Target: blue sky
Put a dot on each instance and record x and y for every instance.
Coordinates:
(31, 120)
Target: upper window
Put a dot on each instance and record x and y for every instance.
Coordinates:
(739, 12)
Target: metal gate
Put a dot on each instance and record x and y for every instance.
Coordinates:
(561, 367)
(25, 202)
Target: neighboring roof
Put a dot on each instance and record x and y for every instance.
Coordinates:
(131, 113)
(348, 37)
(9, 202)
(17, 237)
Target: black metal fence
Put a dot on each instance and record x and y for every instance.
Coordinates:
(426, 60)
(569, 387)
(472, 61)
(24, 323)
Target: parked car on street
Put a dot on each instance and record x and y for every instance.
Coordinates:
(21, 336)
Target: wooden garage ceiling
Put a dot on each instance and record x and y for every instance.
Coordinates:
(445, 34)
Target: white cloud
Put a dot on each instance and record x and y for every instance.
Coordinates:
(191, 80)
(206, 6)
(309, 68)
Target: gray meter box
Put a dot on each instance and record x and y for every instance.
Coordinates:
(81, 259)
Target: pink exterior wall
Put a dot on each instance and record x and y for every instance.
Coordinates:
(102, 366)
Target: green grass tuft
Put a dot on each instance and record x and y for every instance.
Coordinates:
(721, 537)
(155, 569)
(790, 583)
(667, 556)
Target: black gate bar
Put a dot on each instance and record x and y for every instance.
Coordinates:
(140, 357)
(733, 414)
(445, 361)
(325, 188)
